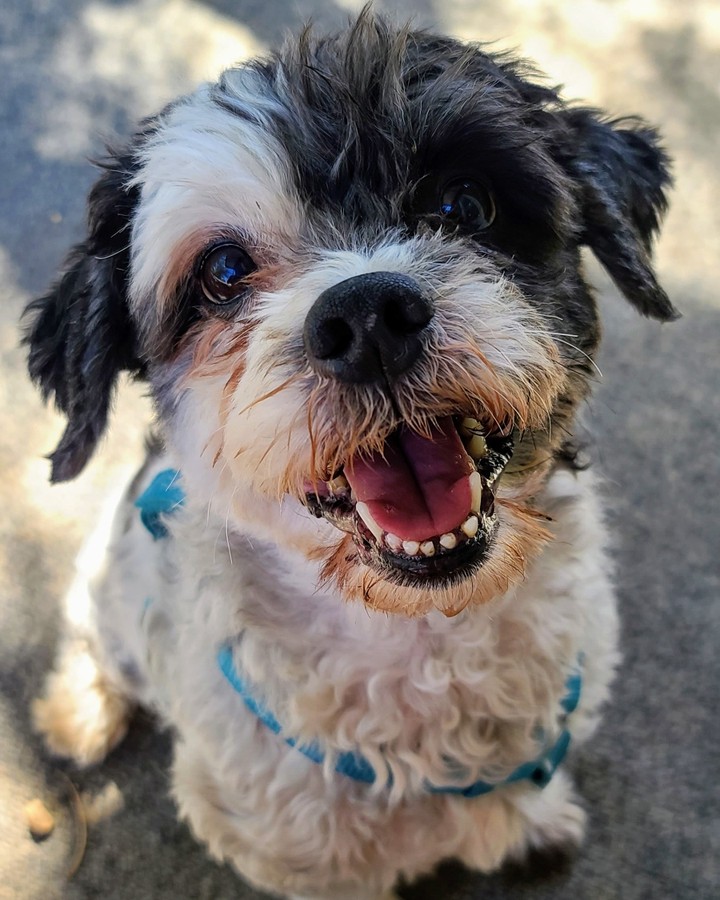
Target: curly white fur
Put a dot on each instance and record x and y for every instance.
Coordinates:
(411, 692)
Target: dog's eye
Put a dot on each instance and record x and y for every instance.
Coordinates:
(222, 273)
(467, 203)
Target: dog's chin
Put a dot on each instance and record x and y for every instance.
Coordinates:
(420, 512)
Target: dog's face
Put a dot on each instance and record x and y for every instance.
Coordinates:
(351, 275)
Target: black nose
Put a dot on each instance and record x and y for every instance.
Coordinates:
(368, 328)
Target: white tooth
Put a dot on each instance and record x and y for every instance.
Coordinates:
(469, 426)
(411, 547)
(363, 510)
(427, 548)
(448, 541)
(339, 484)
(470, 526)
(393, 542)
(477, 448)
(475, 491)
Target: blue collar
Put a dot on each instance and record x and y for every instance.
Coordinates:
(163, 497)
(353, 765)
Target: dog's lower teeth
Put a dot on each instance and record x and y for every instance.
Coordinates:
(363, 510)
(427, 548)
(412, 548)
(393, 542)
(470, 526)
(448, 541)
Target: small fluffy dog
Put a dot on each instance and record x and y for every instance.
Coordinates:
(362, 576)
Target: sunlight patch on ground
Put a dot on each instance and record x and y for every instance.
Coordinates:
(658, 58)
(148, 52)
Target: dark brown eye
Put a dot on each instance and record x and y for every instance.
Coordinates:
(467, 203)
(223, 272)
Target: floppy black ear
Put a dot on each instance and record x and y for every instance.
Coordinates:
(622, 174)
(80, 334)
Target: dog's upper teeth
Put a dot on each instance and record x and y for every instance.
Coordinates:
(469, 427)
(477, 447)
(475, 491)
(470, 526)
(363, 510)
(338, 485)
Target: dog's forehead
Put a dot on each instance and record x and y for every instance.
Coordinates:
(363, 117)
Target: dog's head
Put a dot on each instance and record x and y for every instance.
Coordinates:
(351, 275)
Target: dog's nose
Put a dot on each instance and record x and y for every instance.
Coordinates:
(368, 328)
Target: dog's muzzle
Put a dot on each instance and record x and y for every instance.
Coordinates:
(421, 509)
(367, 329)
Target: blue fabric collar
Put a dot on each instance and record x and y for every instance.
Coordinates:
(539, 771)
(163, 497)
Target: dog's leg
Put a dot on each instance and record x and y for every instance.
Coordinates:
(82, 714)
(552, 817)
(507, 824)
(89, 697)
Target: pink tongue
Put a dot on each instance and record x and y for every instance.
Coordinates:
(420, 487)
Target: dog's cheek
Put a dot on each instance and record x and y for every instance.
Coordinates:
(265, 434)
(225, 486)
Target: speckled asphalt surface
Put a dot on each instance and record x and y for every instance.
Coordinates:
(75, 71)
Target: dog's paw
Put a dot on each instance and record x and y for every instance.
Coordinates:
(554, 818)
(81, 716)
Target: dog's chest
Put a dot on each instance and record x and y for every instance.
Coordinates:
(476, 690)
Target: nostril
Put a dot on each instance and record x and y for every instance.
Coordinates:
(332, 338)
(402, 316)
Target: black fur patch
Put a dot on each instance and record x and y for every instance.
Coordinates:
(81, 335)
(374, 122)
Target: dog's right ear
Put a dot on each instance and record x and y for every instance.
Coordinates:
(80, 334)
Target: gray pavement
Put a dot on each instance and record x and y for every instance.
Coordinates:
(75, 71)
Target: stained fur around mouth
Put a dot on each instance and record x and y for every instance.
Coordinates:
(446, 565)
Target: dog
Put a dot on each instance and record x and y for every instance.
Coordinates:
(362, 573)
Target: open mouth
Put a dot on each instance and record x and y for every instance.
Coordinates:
(422, 510)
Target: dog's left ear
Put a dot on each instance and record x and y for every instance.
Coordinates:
(622, 173)
(80, 334)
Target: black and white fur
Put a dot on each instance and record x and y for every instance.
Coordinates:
(322, 163)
